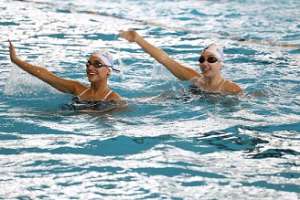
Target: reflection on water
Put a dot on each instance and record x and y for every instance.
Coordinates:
(170, 143)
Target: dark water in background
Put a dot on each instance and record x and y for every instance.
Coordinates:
(168, 144)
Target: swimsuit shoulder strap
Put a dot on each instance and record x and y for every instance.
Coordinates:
(110, 91)
(84, 91)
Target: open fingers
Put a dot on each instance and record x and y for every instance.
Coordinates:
(10, 44)
(12, 51)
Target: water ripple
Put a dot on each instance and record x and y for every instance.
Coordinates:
(169, 143)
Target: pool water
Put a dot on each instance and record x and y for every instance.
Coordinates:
(168, 143)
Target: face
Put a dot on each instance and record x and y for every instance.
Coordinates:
(209, 64)
(96, 70)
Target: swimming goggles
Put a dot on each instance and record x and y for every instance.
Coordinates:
(210, 59)
(99, 65)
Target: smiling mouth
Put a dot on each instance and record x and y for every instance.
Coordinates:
(91, 73)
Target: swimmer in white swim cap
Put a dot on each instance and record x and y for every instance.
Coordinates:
(107, 59)
(98, 69)
(211, 61)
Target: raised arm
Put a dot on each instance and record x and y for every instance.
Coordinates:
(177, 69)
(63, 85)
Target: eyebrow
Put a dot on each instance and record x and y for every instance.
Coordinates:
(210, 55)
(97, 62)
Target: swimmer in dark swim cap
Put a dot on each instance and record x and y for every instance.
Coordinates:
(211, 61)
(98, 69)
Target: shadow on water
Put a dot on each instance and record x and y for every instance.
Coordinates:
(275, 153)
(281, 127)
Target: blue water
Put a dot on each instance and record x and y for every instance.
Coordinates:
(168, 143)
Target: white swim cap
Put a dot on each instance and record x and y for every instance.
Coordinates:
(216, 50)
(107, 59)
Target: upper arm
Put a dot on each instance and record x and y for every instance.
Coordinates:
(61, 84)
(68, 86)
(179, 70)
(232, 88)
(115, 97)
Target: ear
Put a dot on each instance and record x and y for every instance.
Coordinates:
(221, 65)
(108, 72)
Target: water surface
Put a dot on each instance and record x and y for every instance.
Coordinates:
(168, 144)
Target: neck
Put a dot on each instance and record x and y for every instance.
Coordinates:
(99, 87)
(214, 81)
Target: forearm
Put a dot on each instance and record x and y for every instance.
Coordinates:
(177, 69)
(32, 69)
(156, 53)
(43, 74)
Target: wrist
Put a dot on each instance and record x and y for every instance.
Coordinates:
(14, 59)
(137, 38)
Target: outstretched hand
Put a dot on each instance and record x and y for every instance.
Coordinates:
(129, 35)
(12, 51)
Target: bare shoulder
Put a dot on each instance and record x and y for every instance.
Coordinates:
(231, 87)
(115, 97)
(78, 87)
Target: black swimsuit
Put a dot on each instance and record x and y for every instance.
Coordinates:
(80, 105)
(198, 91)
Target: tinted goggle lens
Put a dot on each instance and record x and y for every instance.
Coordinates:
(210, 59)
(99, 65)
(96, 65)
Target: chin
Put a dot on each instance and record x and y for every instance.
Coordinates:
(91, 79)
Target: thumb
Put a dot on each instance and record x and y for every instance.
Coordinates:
(121, 32)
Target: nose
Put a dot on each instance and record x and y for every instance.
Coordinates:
(89, 66)
(204, 63)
